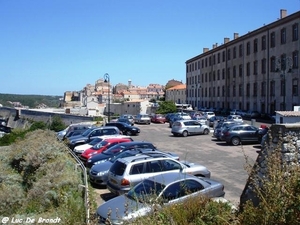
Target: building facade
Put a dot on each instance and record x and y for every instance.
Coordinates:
(176, 94)
(257, 71)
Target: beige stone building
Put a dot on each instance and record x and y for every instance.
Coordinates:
(256, 71)
(176, 94)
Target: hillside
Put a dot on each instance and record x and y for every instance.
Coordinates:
(32, 101)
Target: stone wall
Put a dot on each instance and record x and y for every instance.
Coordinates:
(281, 137)
(19, 118)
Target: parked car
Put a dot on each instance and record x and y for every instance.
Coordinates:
(261, 132)
(129, 171)
(253, 114)
(169, 188)
(128, 117)
(189, 127)
(143, 119)
(168, 116)
(207, 115)
(158, 118)
(125, 128)
(110, 152)
(202, 120)
(72, 130)
(124, 120)
(221, 126)
(98, 173)
(213, 119)
(79, 149)
(236, 118)
(91, 134)
(239, 134)
(101, 146)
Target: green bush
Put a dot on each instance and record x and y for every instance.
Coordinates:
(40, 180)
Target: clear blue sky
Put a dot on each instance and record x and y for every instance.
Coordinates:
(48, 47)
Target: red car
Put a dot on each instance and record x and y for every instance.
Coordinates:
(101, 146)
(158, 118)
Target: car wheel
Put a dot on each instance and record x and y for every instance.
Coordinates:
(235, 141)
(184, 133)
(206, 131)
(128, 133)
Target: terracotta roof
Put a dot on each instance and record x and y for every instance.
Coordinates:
(178, 87)
(289, 113)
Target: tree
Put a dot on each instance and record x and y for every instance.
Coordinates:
(166, 107)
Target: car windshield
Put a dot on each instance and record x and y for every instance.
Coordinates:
(95, 141)
(113, 150)
(145, 191)
(87, 132)
(100, 145)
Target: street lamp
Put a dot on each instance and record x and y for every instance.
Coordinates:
(107, 80)
(283, 66)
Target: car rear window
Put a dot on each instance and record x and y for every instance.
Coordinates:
(118, 168)
(176, 124)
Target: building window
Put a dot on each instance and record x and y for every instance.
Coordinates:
(223, 91)
(295, 87)
(263, 89)
(218, 57)
(248, 90)
(273, 64)
(202, 78)
(205, 62)
(263, 42)
(240, 90)
(205, 92)
(234, 72)
(228, 54)
(272, 88)
(283, 36)
(202, 62)
(218, 74)
(248, 48)
(199, 64)
(228, 91)
(233, 91)
(272, 40)
(234, 52)
(209, 61)
(223, 56)
(255, 45)
(295, 32)
(295, 59)
(248, 69)
(255, 64)
(218, 94)
(214, 91)
(255, 89)
(205, 77)
(240, 70)
(223, 74)
(263, 66)
(240, 50)
(214, 75)
(214, 59)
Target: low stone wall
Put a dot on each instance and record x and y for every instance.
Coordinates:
(281, 137)
(19, 118)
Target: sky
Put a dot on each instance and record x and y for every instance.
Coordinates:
(48, 47)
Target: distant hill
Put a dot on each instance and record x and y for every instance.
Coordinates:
(32, 101)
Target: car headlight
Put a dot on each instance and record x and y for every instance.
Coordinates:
(101, 161)
(102, 173)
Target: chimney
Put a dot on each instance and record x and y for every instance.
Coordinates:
(226, 40)
(215, 45)
(235, 35)
(283, 13)
(205, 50)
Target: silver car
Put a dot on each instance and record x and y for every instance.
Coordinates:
(164, 189)
(143, 118)
(189, 127)
(99, 172)
(129, 171)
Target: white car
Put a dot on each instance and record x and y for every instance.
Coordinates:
(236, 118)
(207, 115)
(79, 149)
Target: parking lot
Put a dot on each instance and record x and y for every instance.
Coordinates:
(227, 163)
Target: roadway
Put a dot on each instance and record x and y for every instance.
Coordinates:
(228, 164)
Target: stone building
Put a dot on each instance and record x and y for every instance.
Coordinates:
(256, 71)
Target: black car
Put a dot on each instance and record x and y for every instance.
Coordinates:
(125, 120)
(110, 152)
(125, 128)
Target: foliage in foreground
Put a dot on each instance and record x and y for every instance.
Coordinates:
(39, 179)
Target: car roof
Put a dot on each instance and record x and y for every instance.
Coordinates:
(170, 177)
(110, 140)
(143, 156)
